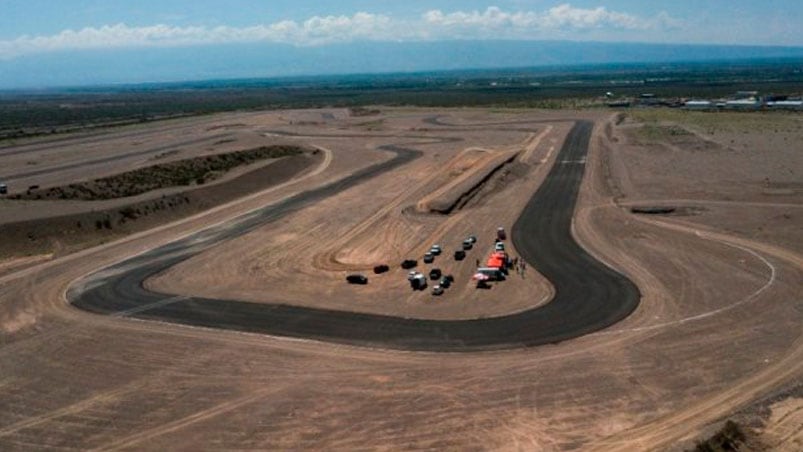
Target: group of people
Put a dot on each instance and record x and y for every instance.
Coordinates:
(518, 265)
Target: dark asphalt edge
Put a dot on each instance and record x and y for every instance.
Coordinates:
(589, 295)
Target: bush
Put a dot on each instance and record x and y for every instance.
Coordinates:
(129, 213)
(729, 438)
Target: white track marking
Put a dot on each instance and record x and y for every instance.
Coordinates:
(548, 154)
(534, 143)
(149, 306)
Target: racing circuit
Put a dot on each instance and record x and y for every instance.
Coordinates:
(589, 296)
(630, 331)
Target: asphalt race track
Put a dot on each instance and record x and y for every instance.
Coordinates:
(589, 296)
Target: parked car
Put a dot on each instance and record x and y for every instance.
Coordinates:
(459, 255)
(472, 239)
(501, 234)
(437, 290)
(357, 279)
(429, 258)
(418, 281)
(3, 189)
(435, 273)
(450, 278)
(444, 282)
(467, 244)
(499, 246)
(381, 269)
(409, 263)
(436, 250)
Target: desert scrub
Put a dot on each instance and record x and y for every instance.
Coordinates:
(731, 437)
(199, 170)
(654, 132)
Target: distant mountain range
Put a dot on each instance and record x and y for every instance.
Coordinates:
(138, 65)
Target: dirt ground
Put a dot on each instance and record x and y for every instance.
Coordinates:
(381, 222)
(717, 329)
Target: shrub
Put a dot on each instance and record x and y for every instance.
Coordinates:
(729, 438)
(129, 213)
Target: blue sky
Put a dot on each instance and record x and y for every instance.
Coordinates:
(767, 22)
(39, 34)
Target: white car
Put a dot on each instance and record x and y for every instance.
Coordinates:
(435, 249)
(499, 246)
(418, 282)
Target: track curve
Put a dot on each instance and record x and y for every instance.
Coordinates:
(589, 295)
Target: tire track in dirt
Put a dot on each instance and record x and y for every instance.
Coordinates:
(327, 259)
(199, 416)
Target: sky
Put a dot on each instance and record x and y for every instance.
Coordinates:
(31, 29)
(31, 26)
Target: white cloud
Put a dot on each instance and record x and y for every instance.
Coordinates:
(435, 24)
(567, 16)
(561, 16)
(314, 31)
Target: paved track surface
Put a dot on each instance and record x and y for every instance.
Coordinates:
(589, 296)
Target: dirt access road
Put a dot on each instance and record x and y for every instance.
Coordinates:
(717, 326)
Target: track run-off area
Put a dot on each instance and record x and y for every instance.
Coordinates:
(589, 296)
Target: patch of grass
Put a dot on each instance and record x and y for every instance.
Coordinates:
(372, 125)
(362, 111)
